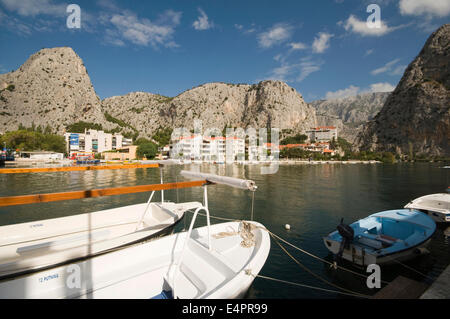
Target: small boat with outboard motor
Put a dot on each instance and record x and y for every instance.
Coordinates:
(382, 238)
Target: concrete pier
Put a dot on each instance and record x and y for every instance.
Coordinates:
(440, 289)
(402, 288)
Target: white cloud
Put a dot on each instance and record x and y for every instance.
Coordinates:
(35, 7)
(297, 46)
(15, 25)
(350, 91)
(294, 72)
(202, 22)
(355, 90)
(440, 8)
(246, 30)
(282, 72)
(353, 24)
(321, 42)
(388, 67)
(143, 31)
(399, 70)
(382, 87)
(308, 66)
(277, 34)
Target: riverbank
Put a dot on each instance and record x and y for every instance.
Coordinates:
(290, 162)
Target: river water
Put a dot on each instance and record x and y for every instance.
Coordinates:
(311, 198)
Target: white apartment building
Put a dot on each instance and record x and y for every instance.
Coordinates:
(322, 134)
(93, 141)
(210, 149)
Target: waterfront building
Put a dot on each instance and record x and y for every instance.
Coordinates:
(122, 154)
(322, 134)
(207, 148)
(92, 141)
(41, 155)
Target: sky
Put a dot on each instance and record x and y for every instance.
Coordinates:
(324, 49)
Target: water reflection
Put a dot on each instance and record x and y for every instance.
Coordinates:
(311, 198)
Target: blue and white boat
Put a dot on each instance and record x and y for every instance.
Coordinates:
(382, 238)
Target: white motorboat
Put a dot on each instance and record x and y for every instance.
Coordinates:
(437, 206)
(32, 246)
(215, 261)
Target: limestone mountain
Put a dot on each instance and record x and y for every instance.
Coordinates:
(416, 116)
(51, 88)
(217, 105)
(349, 114)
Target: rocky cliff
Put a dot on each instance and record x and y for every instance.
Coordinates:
(349, 114)
(217, 105)
(51, 88)
(416, 116)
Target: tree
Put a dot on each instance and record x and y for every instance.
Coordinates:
(148, 150)
(388, 157)
(34, 141)
(297, 139)
(333, 144)
(141, 140)
(162, 136)
(81, 126)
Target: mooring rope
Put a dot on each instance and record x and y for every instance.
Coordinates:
(332, 265)
(304, 286)
(319, 277)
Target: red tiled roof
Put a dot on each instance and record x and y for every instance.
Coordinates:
(323, 128)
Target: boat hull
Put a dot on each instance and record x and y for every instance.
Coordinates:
(34, 246)
(385, 238)
(356, 255)
(143, 271)
(437, 206)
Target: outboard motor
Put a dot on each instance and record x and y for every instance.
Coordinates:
(347, 234)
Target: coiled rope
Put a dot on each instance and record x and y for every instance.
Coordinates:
(246, 229)
(332, 265)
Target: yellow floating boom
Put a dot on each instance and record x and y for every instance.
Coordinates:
(73, 168)
(54, 197)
